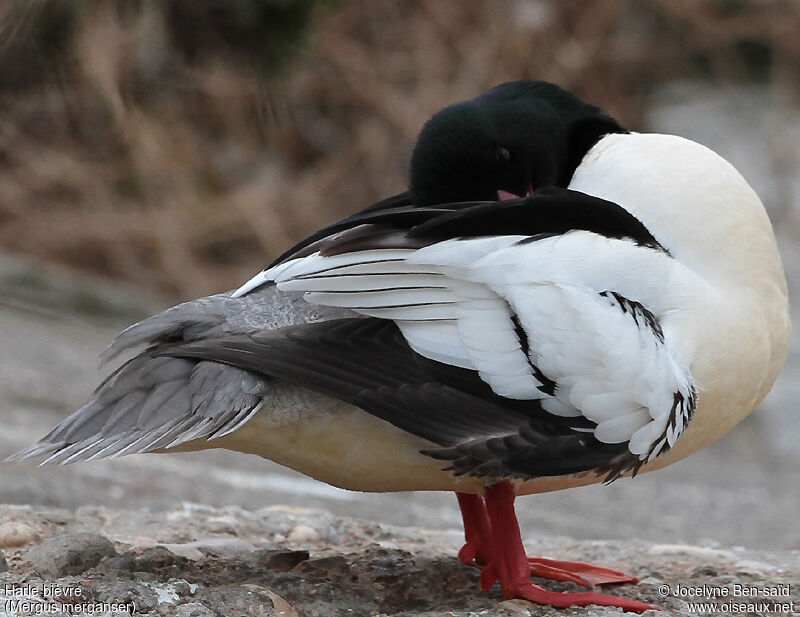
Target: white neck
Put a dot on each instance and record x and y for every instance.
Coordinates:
(697, 206)
(706, 215)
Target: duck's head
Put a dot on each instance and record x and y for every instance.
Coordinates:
(510, 141)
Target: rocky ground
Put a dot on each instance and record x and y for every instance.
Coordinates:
(199, 561)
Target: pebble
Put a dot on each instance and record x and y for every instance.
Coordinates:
(303, 534)
(285, 520)
(703, 570)
(3, 563)
(696, 552)
(72, 553)
(228, 547)
(144, 595)
(332, 535)
(280, 560)
(517, 608)
(13, 533)
(245, 600)
(748, 566)
(192, 609)
(326, 567)
(280, 607)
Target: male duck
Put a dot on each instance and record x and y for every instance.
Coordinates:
(555, 302)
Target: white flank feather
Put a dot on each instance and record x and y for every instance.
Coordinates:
(455, 302)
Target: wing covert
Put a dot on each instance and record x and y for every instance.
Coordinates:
(577, 346)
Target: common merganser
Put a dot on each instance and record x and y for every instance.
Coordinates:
(555, 302)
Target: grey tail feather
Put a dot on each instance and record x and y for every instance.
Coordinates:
(185, 322)
(219, 315)
(153, 402)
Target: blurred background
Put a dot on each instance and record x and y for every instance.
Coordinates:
(155, 151)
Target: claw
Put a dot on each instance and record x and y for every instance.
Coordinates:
(488, 577)
(477, 532)
(467, 553)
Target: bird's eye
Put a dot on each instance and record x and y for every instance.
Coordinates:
(502, 155)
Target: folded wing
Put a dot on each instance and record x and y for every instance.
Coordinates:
(525, 338)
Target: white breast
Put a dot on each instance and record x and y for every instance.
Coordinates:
(701, 209)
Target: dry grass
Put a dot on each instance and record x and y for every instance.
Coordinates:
(130, 162)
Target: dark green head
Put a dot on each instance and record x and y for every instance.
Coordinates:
(517, 137)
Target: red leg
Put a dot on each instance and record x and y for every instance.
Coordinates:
(477, 534)
(476, 529)
(511, 566)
